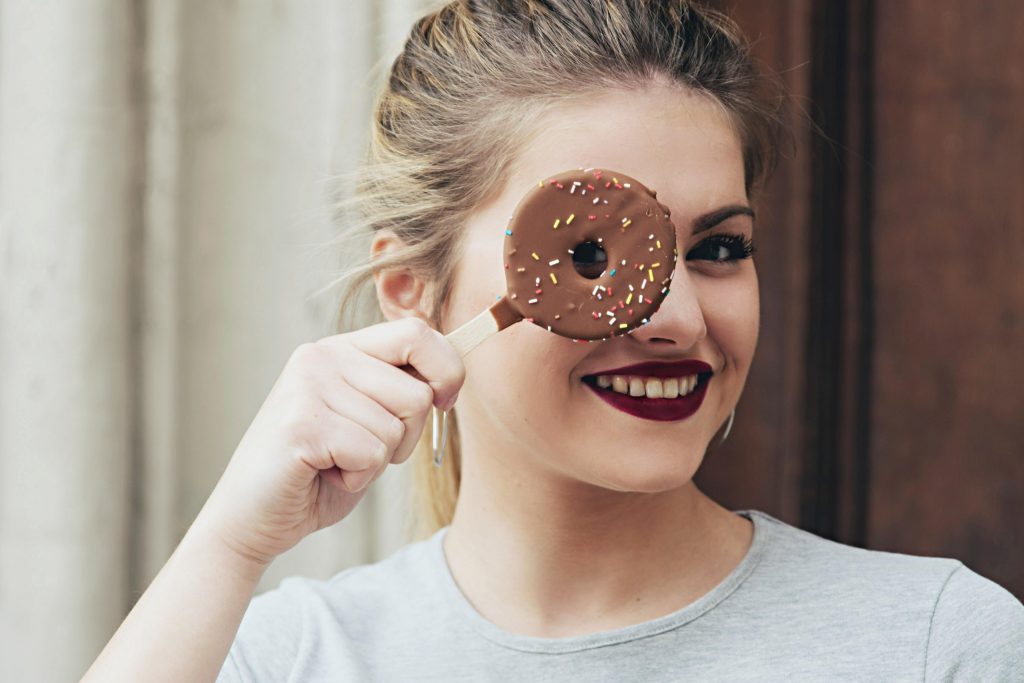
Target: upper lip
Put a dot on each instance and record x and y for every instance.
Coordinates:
(657, 368)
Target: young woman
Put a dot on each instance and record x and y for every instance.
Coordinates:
(565, 537)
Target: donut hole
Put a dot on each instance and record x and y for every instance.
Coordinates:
(589, 259)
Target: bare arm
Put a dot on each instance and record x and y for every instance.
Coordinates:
(339, 413)
(183, 625)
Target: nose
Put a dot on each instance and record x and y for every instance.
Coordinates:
(679, 321)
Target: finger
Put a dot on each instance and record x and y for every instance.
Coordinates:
(411, 341)
(347, 401)
(340, 442)
(396, 391)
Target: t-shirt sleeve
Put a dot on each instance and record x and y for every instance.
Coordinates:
(266, 645)
(977, 632)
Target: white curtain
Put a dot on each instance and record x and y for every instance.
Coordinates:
(165, 183)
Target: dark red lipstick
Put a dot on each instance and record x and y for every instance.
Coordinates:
(659, 409)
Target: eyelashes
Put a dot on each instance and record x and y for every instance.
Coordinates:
(737, 247)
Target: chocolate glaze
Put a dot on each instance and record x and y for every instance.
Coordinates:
(560, 213)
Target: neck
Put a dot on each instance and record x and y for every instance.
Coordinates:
(537, 554)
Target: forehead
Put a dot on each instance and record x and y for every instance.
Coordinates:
(674, 141)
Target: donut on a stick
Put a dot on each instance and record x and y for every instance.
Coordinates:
(589, 254)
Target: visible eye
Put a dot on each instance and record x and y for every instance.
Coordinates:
(589, 260)
(723, 248)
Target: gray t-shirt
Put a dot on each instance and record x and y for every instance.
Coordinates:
(798, 607)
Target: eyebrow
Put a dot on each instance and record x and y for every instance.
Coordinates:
(713, 218)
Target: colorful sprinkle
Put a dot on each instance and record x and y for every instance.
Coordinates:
(650, 274)
(557, 221)
(534, 255)
(532, 301)
(612, 273)
(553, 263)
(553, 278)
(507, 231)
(568, 220)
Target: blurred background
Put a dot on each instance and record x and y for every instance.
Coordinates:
(166, 185)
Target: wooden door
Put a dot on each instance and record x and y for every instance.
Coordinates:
(885, 408)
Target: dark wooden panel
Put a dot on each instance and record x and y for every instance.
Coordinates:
(948, 410)
(885, 407)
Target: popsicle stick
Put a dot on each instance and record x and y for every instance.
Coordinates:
(494, 319)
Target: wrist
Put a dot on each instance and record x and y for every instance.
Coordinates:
(213, 543)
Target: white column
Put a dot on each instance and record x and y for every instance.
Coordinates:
(67, 175)
(266, 91)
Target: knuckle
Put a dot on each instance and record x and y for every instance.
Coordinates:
(419, 330)
(421, 397)
(306, 356)
(395, 431)
(378, 453)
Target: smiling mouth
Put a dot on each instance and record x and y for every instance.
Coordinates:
(648, 387)
(652, 398)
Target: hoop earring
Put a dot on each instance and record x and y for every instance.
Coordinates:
(439, 434)
(725, 434)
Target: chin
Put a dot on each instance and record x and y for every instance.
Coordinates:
(650, 476)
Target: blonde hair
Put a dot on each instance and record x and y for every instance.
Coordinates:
(463, 96)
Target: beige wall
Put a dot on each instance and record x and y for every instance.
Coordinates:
(164, 217)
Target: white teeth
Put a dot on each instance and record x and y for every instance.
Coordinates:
(651, 387)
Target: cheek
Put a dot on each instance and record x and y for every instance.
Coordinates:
(478, 281)
(733, 314)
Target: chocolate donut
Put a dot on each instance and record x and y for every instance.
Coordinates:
(589, 254)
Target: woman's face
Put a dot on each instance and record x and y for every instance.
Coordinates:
(530, 398)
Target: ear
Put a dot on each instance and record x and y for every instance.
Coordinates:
(400, 292)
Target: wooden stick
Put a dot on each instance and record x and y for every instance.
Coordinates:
(494, 319)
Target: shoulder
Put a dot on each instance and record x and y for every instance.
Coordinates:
(935, 611)
(836, 569)
(976, 631)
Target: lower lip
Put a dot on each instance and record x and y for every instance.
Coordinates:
(660, 409)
